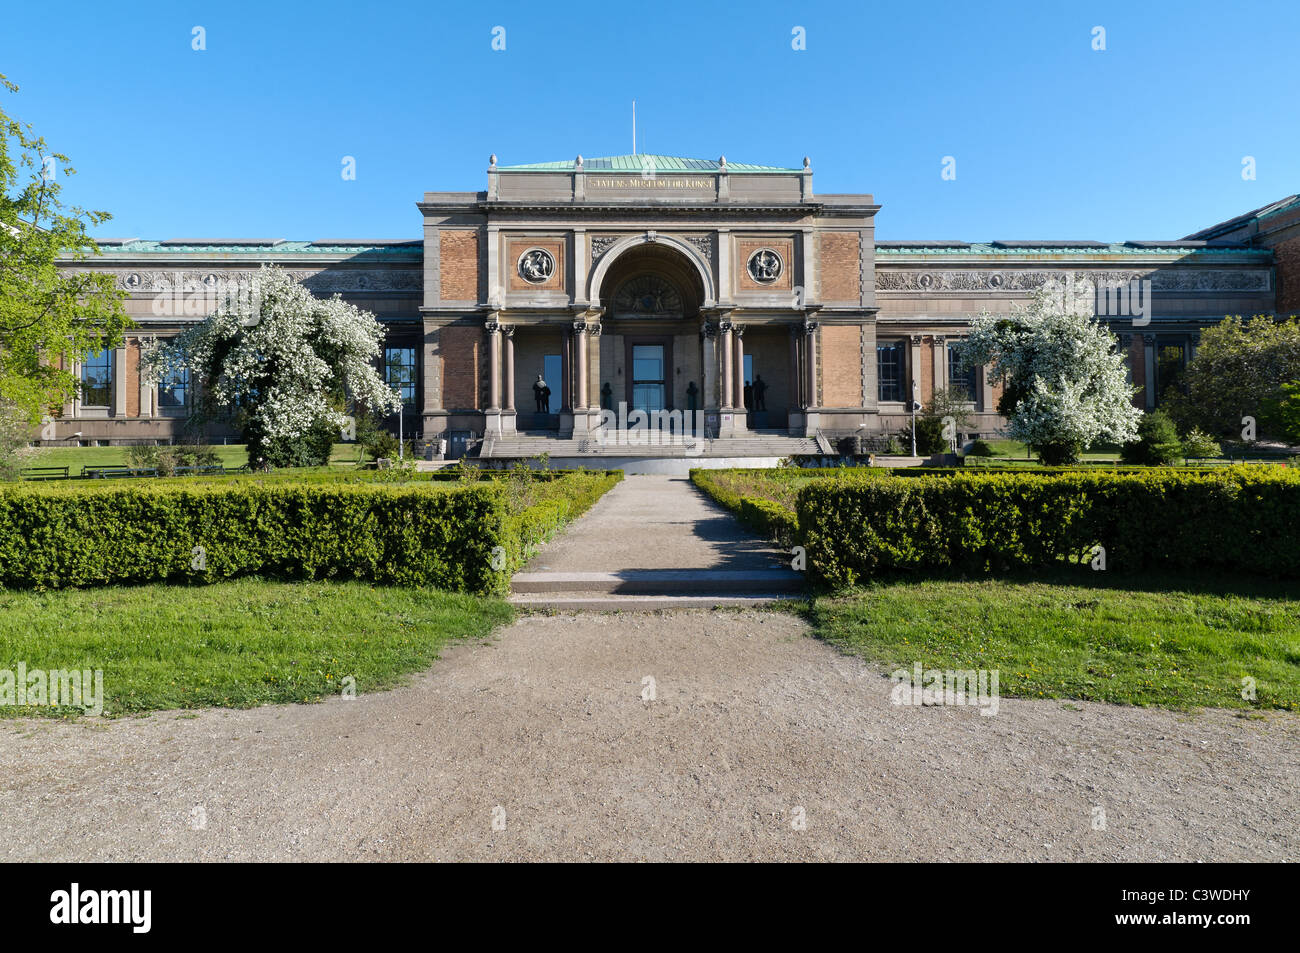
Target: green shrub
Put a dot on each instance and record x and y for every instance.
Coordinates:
(1157, 442)
(417, 533)
(1236, 518)
(312, 449)
(1199, 444)
(929, 436)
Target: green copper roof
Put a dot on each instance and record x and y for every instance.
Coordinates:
(265, 246)
(640, 161)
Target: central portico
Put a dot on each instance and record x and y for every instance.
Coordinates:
(647, 283)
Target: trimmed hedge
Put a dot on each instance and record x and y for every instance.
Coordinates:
(418, 533)
(1237, 518)
(764, 516)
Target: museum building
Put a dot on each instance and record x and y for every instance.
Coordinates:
(732, 292)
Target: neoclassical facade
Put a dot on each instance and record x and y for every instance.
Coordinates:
(658, 283)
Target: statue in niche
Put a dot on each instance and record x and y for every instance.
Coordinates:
(606, 396)
(692, 397)
(542, 395)
(760, 389)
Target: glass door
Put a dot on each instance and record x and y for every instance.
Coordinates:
(648, 380)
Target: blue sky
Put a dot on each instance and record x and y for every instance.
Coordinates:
(1051, 138)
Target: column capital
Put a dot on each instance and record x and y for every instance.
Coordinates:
(492, 325)
(739, 329)
(709, 329)
(725, 326)
(809, 327)
(508, 330)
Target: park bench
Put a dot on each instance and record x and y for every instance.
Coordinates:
(44, 473)
(110, 473)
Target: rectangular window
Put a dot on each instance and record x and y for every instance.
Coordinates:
(961, 377)
(97, 378)
(399, 372)
(175, 392)
(889, 369)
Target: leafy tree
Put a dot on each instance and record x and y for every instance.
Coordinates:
(15, 431)
(1064, 382)
(46, 312)
(287, 362)
(1239, 371)
(1157, 442)
(1282, 412)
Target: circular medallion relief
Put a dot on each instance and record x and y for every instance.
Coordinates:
(765, 266)
(536, 265)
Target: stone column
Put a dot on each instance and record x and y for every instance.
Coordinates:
(796, 375)
(593, 365)
(940, 355)
(728, 389)
(580, 346)
(738, 398)
(810, 346)
(510, 368)
(913, 386)
(494, 366)
(566, 370)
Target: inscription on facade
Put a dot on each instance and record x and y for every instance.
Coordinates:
(649, 182)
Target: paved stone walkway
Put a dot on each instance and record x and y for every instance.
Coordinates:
(655, 541)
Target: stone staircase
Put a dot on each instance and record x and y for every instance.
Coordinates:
(633, 443)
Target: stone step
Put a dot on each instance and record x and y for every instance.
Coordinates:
(622, 445)
(581, 601)
(661, 582)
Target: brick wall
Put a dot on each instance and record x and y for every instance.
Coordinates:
(926, 376)
(462, 377)
(841, 366)
(1288, 276)
(841, 266)
(459, 264)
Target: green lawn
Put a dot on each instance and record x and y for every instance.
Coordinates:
(235, 644)
(231, 456)
(1163, 641)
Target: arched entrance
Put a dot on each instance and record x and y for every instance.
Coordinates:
(650, 339)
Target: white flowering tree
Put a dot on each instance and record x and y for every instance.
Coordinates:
(287, 362)
(1065, 385)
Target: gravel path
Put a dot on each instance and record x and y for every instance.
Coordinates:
(754, 726)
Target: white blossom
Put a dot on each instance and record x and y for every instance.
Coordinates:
(283, 355)
(1071, 378)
